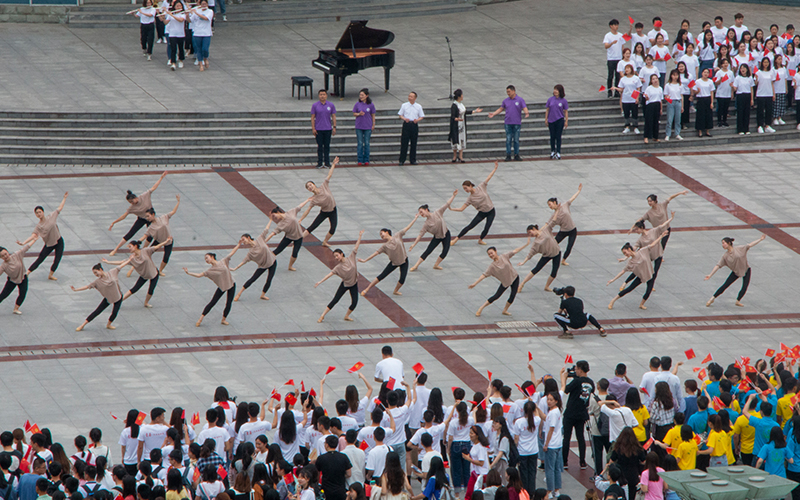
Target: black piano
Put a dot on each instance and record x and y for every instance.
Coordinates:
(359, 48)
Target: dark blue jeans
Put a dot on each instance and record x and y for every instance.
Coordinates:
(458, 466)
(512, 138)
(324, 147)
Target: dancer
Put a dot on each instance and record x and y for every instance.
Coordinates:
(502, 269)
(396, 251)
(545, 244)
(435, 225)
(141, 260)
(348, 271)
(107, 283)
(287, 223)
(735, 258)
(138, 207)
(159, 231)
(478, 198)
(657, 213)
(14, 268)
(646, 237)
(220, 274)
(641, 267)
(261, 254)
(323, 198)
(47, 230)
(563, 219)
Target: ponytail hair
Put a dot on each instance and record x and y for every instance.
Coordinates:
(366, 92)
(728, 240)
(130, 196)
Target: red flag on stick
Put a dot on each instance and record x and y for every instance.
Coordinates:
(418, 368)
(356, 367)
(330, 369)
(708, 359)
(690, 354)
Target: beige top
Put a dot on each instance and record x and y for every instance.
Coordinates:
(290, 226)
(658, 214)
(260, 253)
(394, 248)
(14, 268)
(47, 229)
(141, 208)
(562, 217)
(346, 270)
(502, 269)
(324, 199)
(545, 243)
(648, 237)
(144, 265)
(435, 224)
(640, 266)
(108, 286)
(736, 260)
(480, 198)
(159, 229)
(220, 274)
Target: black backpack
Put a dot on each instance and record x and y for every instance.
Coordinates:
(91, 492)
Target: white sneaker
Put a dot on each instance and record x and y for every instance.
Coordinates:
(626, 130)
(798, 127)
(679, 137)
(775, 122)
(224, 18)
(149, 58)
(158, 41)
(172, 66)
(666, 138)
(180, 64)
(769, 129)
(196, 62)
(760, 130)
(169, 63)
(636, 131)
(781, 122)
(742, 133)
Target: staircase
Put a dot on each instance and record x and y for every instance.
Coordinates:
(106, 14)
(285, 137)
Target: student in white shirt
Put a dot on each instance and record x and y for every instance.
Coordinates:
(719, 31)
(703, 92)
(691, 60)
(411, 113)
(357, 407)
(651, 35)
(647, 71)
(255, 427)
(152, 435)
(147, 31)
(210, 486)
(553, 441)
(175, 28)
(743, 87)
(672, 91)
(376, 460)
(738, 25)
(652, 111)
(687, 82)
(389, 366)
(679, 44)
(201, 18)
(779, 85)
(629, 84)
(706, 52)
(660, 53)
(765, 95)
(685, 26)
(613, 42)
(289, 433)
(640, 37)
(220, 435)
(477, 457)
(723, 80)
(638, 57)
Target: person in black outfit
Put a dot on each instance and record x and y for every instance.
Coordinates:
(571, 313)
(411, 113)
(335, 467)
(576, 413)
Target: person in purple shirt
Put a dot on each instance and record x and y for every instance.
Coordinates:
(514, 106)
(364, 111)
(323, 125)
(556, 114)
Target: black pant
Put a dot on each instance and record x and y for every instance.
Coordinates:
(686, 107)
(704, 120)
(391, 267)
(10, 285)
(434, 243)
(656, 267)
(176, 49)
(613, 75)
(102, 307)
(743, 112)
(332, 216)
(218, 295)
(763, 111)
(652, 112)
(723, 104)
(409, 134)
(571, 236)
(575, 323)
(167, 251)
(324, 147)
(636, 282)
(298, 244)
(501, 290)
(747, 459)
(140, 283)
(257, 274)
(187, 45)
(631, 112)
(137, 225)
(59, 249)
(600, 444)
(543, 262)
(489, 216)
(665, 239)
(797, 111)
(146, 35)
(728, 282)
(340, 292)
(578, 424)
(556, 130)
(794, 476)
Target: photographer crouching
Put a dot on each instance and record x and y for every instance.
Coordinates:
(571, 314)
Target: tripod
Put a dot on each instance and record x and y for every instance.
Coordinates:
(452, 65)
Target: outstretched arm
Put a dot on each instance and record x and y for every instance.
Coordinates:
(672, 197)
(174, 210)
(196, 275)
(713, 271)
(518, 250)
(32, 238)
(366, 384)
(482, 277)
(318, 283)
(615, 278)
(666, 223)
(453, 197)
(460, 209)
(305, 214)
(333, 165)
(374, 254)
(496, 112)
(63, 202)
(81, 289)
(358, 241)
(163, 243)
(580, 186)
(233, 252)
(155, 186)
(751, 245)
(491, 174)
(405, 229)
(118, 219)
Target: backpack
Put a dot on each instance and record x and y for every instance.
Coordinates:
(513, 453)
(90, 493)
(8, 493)
(187, 483)
(602, 424)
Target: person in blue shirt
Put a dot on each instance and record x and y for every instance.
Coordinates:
(763, 426)
(727, 399)
(690, 399)
(437, 479)
(793, 445)
(775, 454)
(699, 421)
(714, 375)
(27, 483)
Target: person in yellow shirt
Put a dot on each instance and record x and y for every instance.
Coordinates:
(725, 420)
(687, 450)
(744, 437)
(717, 443)
(634, 402)
(785, 406)
(673, 438)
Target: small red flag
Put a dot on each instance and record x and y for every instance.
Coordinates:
(795, 349)
(792, 72)
(658, 24)
(602, 88)
(644, 390)
(183, 414)
(723, 79)
(670, 450)
(356, 367)
(770, 353)
(140, 418)
(483, 404)
(418, 368)
(568, 359)
(196, 474)
(302, 386)
(114, 416)
(489, 374)
(530, 390)
(767, 392)
(377, 402)
(795, 399)
(708, 359)
(312, 392)
(630, 19)
(667, 57)
(626, 37)
(473, 403)
(330, 369)
(697, 369)
(530, 356)
(364, 445)
(784, 348)
(697, 439)
(506, 408)
(27, 425)
(288, 478)
(290, 382)
(702, 374)
(453, 389)
(225, 405)
(291, 399)
(657, 57)
(668, 98)
(195, 418)
(520, 388)
(750, 57)
(222, 473)
(691, 86)
(648, 444)
(275, 395)
(743, 386)
(780, 357)
(777, 77)
(690, 354)
(635, 94)
(680, 47)
(34, 429)
(718, 404)
(390, 383)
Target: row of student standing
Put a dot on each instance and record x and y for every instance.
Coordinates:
(180, 28)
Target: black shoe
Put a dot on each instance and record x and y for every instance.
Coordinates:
(610, 94)
(517, 158)
(412, 163)
(327, 165)
(508, 157)
(616, 94)
(401, 164)
(455, 160)
(319, 165)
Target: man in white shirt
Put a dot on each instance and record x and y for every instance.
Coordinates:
(376, 460)
(347, 422)
(427, 444)
(423, 394)
(367, 434)
(250, 430)
(435, 431)
(648, 385)
(357, 458)
(389, 366)
(738, 25)
(719, 31)
(674, 382)
(651, 35)
(411, 113)
(613, 42)
(619, 417)
(640, 37)
(152, 435)
(220, 436)
(397, 441)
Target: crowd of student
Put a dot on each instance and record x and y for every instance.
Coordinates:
(719, 65)
(290, 447)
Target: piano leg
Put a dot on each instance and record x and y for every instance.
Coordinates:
(341, 88)
(386, 79)
(326, 81)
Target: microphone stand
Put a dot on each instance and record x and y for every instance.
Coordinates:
(450, 49)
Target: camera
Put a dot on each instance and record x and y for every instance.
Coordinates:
(559, 290)
(571, 371)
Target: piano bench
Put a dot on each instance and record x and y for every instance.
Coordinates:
(303, 82)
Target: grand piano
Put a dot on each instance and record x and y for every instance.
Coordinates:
(359, 48)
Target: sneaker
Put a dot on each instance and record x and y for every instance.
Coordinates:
(584, 466)
(552, 154)
(169, 63)
(626, 130)
(517, 158)
(508, 157)
(224, 18)
(775, 122)
(742, 133)
(180, 64)
(747, 133)
(760, 130)
(769, 129)
(558, 156)
(798, 126)
(566, 335)
(172, 66)
(149, 57)
(158, 41)
(679, 137)
(666, 138)
(196, 62)
(636, 131)
(319, 165)
(781, 122)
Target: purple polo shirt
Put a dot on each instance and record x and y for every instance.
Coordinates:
(513, 108)
(322, 115)
(556, 107)
(364, 122)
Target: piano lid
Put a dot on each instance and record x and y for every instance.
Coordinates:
(358, 36)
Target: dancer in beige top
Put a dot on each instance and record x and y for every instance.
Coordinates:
(141, 260)
(545, 244)
(14, 268)
(107, 283)
(138, 207)
(478, 198)
(47, 229)
(735, 258)
(641, 266)
(563, 219)
(160, 231)
(287, 223)
(396, 251)
(435, 225)
(658, 213)
(502, 269)
(323, 198)
(261, 254)
(220, 274)
(347, 270)
(646, 236)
